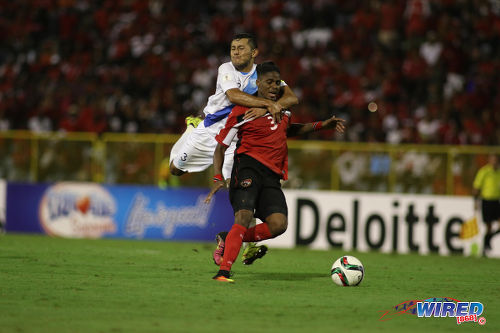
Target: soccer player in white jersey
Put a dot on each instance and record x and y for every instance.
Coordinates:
(194, 151)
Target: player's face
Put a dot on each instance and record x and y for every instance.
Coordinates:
(242, 55)
(269, 85)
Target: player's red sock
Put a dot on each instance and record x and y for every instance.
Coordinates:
(257, 233)
(232, 246)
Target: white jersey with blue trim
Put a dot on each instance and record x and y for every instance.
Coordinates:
(219, 106)
(194, 151)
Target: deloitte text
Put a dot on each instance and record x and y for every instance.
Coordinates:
(384, 222)
(336, 222)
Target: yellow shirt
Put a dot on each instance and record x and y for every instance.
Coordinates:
(488, 182)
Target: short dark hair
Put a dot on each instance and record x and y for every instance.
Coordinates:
(252, 41)
(266, 67)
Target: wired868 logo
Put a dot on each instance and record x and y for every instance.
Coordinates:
(438, 307)
(462, 311)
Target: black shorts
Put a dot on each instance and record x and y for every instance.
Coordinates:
(490, 210)
(256, 188)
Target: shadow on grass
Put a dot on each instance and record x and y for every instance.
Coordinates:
(286, 276)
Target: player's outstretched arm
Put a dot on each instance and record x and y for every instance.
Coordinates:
(296, 129)
(219, 181)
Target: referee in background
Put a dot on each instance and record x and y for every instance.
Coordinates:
(487, 191)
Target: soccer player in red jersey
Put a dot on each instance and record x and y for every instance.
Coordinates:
(260, 162)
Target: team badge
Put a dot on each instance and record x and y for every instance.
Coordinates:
(246, 182)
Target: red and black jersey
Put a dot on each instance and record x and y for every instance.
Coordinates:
(261, 138)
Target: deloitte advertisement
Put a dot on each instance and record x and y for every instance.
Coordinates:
(88, 210)
(383, 222)
(317, 219)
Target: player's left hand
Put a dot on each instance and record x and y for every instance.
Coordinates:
(217, 186)
(254, 113)
(336, 123)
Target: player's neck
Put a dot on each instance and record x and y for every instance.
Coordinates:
(245, 69)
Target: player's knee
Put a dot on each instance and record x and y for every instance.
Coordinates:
(280, 228)
(278, 225)
(243, 217)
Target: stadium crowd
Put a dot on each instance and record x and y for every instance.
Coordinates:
(430, 67)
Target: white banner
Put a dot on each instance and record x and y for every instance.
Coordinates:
(384, 222)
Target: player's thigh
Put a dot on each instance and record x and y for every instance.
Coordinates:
(271, 200)
(244, 187)
(196, 153)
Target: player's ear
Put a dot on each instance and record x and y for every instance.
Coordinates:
(255, 53)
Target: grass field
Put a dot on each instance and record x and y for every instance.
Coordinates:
(64, 285)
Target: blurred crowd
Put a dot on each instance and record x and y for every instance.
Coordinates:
(414, 71)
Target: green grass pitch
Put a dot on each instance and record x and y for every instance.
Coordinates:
(68, 285)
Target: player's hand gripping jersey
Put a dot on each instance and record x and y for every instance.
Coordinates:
(261, 138)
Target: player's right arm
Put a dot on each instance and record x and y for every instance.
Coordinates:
(224, 139)
(219, 181)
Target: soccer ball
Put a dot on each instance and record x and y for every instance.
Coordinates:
(347, 271)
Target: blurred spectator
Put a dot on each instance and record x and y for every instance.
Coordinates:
(143, 66)
(428, 128)
(431, 49)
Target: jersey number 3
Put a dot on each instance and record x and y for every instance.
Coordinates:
(273, 124)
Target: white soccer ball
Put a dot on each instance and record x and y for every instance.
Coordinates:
(347, 271)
